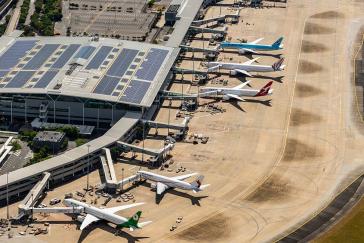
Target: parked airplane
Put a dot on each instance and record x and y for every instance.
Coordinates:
(94, 214)
(236, 92)
(244, 68)
(251, 47)
(163, 182)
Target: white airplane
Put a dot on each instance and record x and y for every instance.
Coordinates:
(236, 92)
(94, 214)
(163, 182)
(246, 67)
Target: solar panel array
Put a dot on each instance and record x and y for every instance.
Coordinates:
(117, 70)
(14, 53)
(152, 64)
(122, 62)
(85, 52)
(65, 56)
(135, 92)
(100, 56)
(20, 79)
(45, 79)
(42, 55)
(106, 85)
(129, 72)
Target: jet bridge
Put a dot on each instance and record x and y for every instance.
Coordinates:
(33, 195)
(180, 127)
(157, 153)
(222, 18)
(199, 49)
(207, 30)
(72, 210)
(108, 169)
(189, 71)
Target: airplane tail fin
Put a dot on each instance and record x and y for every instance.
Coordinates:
(265, 90)
(278, 43)
(198, 182)
(133, 221)
(277, 65)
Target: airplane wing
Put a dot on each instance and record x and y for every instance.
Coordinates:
(249, 50)
(88, 220)
(161, 188)
(123, 207)
(256, 41)
(243, 72)
(242, 85)
(235, 97)
(184, 177)
(250, 62)
(214, 68)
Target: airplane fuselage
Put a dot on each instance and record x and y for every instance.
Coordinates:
(234, 45)
(97, 212)
(225, 91)
(170, 182)
(232, 66)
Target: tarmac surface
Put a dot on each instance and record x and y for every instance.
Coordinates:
(273, 162)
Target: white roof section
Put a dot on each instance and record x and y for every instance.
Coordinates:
(107, 69)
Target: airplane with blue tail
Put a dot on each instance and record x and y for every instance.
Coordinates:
(252, 47)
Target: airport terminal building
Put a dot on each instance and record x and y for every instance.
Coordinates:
(86, 81)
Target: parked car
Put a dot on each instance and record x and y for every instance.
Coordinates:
(54, 201)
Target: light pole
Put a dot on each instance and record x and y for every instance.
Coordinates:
(122, 180)
(88, 166)
(7, 196)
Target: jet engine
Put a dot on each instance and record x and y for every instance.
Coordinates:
(233, 72)
(242, 51)
(225, 97)
(80, 218)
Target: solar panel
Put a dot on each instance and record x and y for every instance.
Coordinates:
(14, 53)
(45, 79)
(99, 57)
(3, 73)
(150, 67)
(85, 52)
(43, 54)
(20, 79)
(107, 85)
(65, 56)
(122, 62)
(135, 92)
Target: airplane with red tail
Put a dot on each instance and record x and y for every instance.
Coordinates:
(236, 92)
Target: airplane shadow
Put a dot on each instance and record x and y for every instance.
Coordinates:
(194, 200)
(277, 79)
(108, 228)
(236, 104)
(263, 102)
